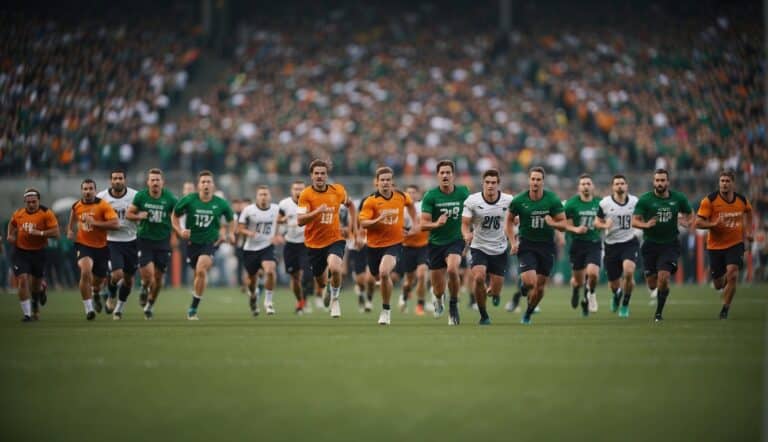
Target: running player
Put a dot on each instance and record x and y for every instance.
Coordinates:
(728, 217)
(28, 232)
(319, 212)
(621, 244)
(152, 208)
(204, 211)
(540, 212)
(94, 217)
(414, 262)
(258, 224)
(383, 215)
(656, 213)
(123, 251)
(483, 228)
(586, 249)
(441, 211)
(295, 252)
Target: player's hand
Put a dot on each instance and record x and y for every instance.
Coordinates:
(143, 215)
(186, 233)
(442, 220)
(231, 238)
(580, 230)
(88, 219)
(651, 222)
(468, 237)
(278, 240)
(513, 248)
(609, 223)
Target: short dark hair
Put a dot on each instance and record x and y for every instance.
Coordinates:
(262, 186)
(442, 163)
(318, 163)
(412, 186)
(203, 173)
(538, 169)
(298, 182)
(661, 171)
(618, 176)
(154, 171)
(492, 172)
(729, 173)
(118, 170)
(382, 170)
(87, 181)
(584, 176)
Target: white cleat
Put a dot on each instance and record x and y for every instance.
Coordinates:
(592, 301)
(319, 303)
(269, 308)
(368, 306)
(654, 293)
(437, 304)
(384, 317)
(451, 320)
(401, 304)
(335, 308)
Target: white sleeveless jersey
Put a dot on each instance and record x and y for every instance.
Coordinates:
(261, 221)
(488, 222)
(293, 232)
(621, 230)
(127, 230)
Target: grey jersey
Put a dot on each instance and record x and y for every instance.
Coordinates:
(293, 232)
(621, 230)
(488, 220)
(261, 221)
(127, 231)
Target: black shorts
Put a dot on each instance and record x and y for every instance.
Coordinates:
(123, 256)
(375, 255)
(29, 262)
(536, 255)
(357, 260)
(616, 254)
(719, 260)
(494, 264)
(194, 251)
(294, 257)
(660, 257)
(252, 259)
(318, 258)
(412, 258)
(585, 252)
(438, 254)
(100, 258)
(156, 252)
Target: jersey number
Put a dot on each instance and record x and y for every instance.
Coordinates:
(664, 216)
(203, 220)
(537, 222)
(156, 215)
(491, 222)
(625, 222)
(588, 221)
(326, 218)
(451, 213)
(264, 228)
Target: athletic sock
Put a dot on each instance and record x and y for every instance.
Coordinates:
(335, 293)
(662, 299)
(453, 306)
(195, 301)
(26, 307)
(421, 302)
(627, 295)
(575, 291)
(119, 306)
(385, 306)
(112, 288)
(268, 294)
(725, 308)
(124, 291)
(483, 311)
(529, 311)
(88, 304)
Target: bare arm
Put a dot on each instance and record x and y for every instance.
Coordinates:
(133, 214)
(303, 219)
(603, 223)
(561, 223)
(176, 224)
(352, 217)
(71, 225)
(415, 224)
(111, 224)
(748, 227)
(427, 224)
(232, 229)
(638, 223)
(466, 232)
(11, 234)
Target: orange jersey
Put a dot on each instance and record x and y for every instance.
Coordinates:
(24, 221)
(87, 234)
(420, 239)
(325, 229)
(388, 231)
(730, 230)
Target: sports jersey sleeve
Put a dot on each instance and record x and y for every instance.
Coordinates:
(640, 207)
(243, 219)
(50, 220)
(556, 207)
(469, 208)
(569, 209)
(229, 215)
(366, 209)
(181, 207)
(747, 206)
(107, 211)
(685, 205)
(304, 205)
(600, 211)
(705, 208)
(139, 200)
(427, 205)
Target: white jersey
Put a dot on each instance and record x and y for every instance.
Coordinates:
(488, 219)
(294, 233)
(261, 221)
(621, 230)
(128, 228)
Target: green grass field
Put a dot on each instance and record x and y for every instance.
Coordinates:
(234, 377)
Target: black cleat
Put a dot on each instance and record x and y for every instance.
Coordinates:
(90, 316)
(26, 319)
(723, 314)
(495, 300)
(97, 305)
(143, 296)
(658, 318)
(253, 305)
(148, 315)
(584, 308)
(574, 299)
(43, 297)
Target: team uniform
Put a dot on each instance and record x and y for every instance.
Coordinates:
(621, 244)
(203, 221)
(725, 241)
(446, 239)
(386, 237)
(92, 242)
(415, 250)
(294, 252)
(259, 248)
(154, 232)
(123, 251)
(489, 243)
(536, 250)
(661, 246)
(29, 251)
(323, 235)
(586, 247)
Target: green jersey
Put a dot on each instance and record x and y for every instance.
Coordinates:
(436, 203)
(583, 213)
(157, 226)
(665, 210)
(532, 213)
(203, 217)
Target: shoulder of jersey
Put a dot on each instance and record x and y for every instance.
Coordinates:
(741, 197)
